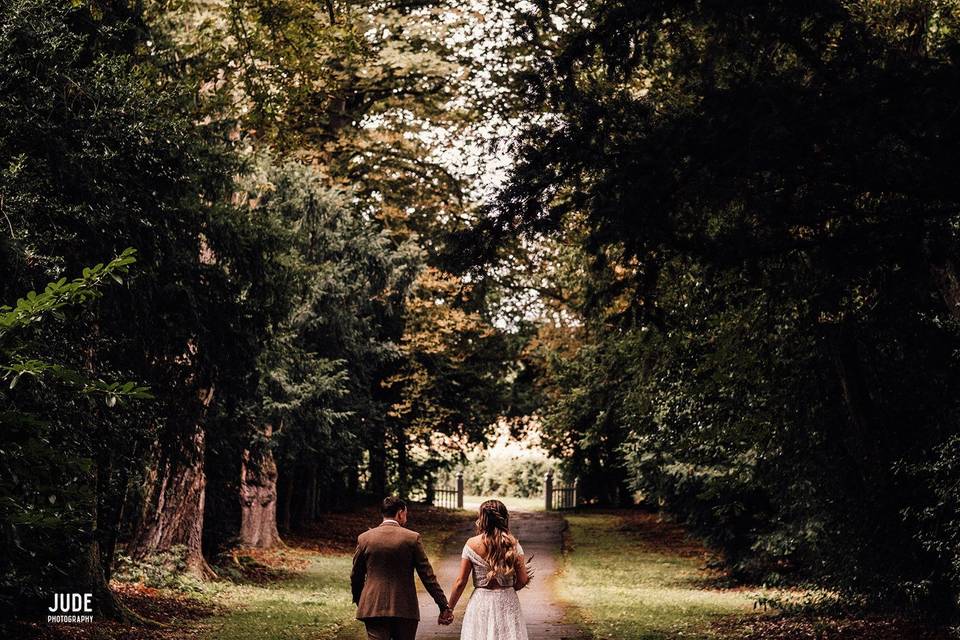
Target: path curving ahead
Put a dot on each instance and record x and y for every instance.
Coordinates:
(540, 533)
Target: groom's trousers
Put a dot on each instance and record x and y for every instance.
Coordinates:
(391, 628)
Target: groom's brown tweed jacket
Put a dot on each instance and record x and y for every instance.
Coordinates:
(382, 576)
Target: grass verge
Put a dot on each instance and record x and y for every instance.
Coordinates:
(630, 577)
(315, 601)
(294, 592)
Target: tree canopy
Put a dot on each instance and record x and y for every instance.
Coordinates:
(767, 323)
(706, 249)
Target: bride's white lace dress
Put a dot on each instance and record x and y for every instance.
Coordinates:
(492, 614)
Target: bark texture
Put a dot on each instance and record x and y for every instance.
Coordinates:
(175, 492)
(258, 495)
(947, 280)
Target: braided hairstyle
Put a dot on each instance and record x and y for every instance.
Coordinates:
(493, 525)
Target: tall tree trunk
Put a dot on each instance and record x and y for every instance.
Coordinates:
(95, 570)
(258, 495)
(403, 462)
(285, 490)
(175, 492)
(378, 462)
(948, 282)
(353, 487)
(308, 511)
(107, 521)
(113, 486)
(105, 603)
(861, 440)
(108, 511)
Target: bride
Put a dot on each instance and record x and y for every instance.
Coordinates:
(495, 560)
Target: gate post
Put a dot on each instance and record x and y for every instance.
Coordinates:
(576, 493)
(431, 495)
(548, 490)
(459, 489)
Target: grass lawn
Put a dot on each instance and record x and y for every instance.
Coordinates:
(297, 592)
(630, 577)
(472, 503)
(314, 601)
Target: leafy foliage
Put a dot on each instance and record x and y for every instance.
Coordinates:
(766, 315)
(102, 155)
(281, 180)
(34, 307)
(449, 387)
(45, 500)
(321, 371)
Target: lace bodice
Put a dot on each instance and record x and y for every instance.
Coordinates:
(480, 568)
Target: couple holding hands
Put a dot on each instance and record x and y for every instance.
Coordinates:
(388, 555)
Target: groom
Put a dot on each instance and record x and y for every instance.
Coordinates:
(382, 577)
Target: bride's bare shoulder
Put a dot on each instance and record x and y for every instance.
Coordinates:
(475, 543)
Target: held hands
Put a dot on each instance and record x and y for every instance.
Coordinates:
(446, 617)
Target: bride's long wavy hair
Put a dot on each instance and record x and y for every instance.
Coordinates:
(493, 525)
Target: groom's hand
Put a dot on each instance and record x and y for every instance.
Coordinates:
(446, 617)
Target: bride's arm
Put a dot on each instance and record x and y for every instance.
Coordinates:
(523, 576)
(466, 567)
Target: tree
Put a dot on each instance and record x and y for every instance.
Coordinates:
(320, 374)
(282, 182)
(115, 161)
(48, 478)
(770, 222)
(450, 388)
(370, 97)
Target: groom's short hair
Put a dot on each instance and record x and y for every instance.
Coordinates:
(392, 506)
